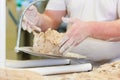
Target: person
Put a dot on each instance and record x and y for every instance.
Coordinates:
(96, 19)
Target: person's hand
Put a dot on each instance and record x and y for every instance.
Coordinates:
(31, 20)
(77, 32)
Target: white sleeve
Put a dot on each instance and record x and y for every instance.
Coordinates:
(119, 8)
(56, 5)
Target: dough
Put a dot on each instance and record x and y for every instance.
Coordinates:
(48, 42)
(11, 74)
(110, 71)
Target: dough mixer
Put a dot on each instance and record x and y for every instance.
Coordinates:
(74, 61)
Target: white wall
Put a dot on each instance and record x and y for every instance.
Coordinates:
(2, 32)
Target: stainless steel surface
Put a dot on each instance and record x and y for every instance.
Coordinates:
(62, 69)
(55, 66)
(29, 50)
(36, 63)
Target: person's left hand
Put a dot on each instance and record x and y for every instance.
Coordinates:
(31, 19)
(77, 32)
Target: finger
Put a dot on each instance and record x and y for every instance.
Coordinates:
(24, 23)
(24, 26)
(65, 38)
(67, 46)
(29, 25)
(70, 44)
(79, 40)
(25, 18)
(29, 30)
(34, 28)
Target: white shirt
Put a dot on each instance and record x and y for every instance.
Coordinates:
(92, 10)
(87, 10)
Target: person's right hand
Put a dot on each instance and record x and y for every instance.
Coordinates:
(31, 20)
(78, 31)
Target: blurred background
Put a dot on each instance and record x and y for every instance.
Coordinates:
(13, 12)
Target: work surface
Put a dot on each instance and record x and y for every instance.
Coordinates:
(109, 71)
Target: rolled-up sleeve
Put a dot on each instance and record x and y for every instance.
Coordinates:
(56, 5)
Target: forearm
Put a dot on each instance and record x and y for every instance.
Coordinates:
(50, 19)
(105, 30)
(46, 22)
